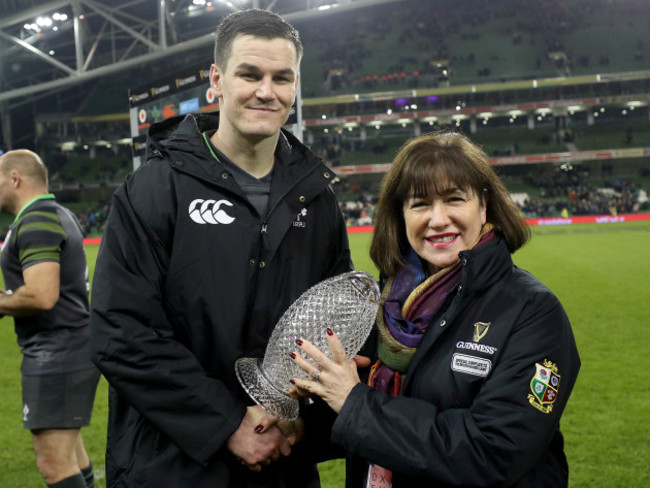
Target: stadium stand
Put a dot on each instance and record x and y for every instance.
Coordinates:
(524, 79)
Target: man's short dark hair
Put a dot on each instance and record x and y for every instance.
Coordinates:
(252, 22)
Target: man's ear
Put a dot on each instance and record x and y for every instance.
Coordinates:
(15, 178)
(215, 80)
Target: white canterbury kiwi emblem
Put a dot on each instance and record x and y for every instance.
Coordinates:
(210, 212)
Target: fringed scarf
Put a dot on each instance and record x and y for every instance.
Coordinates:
(408, 304)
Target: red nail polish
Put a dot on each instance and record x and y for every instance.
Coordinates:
(330, 332)
(292, 355)
(299, 342)
(293, 382)
(259, 428)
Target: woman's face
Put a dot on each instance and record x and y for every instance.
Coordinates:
(439, 226)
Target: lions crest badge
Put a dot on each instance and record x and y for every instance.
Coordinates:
(544, 386)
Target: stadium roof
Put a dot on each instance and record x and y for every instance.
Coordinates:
(46, 46)
(58, 55)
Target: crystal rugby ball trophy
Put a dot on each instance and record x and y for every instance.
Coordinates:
(346, 303)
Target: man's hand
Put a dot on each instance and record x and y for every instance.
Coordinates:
(258, 440)
(293, 430)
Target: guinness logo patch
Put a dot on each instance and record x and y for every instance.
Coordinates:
(480, 329)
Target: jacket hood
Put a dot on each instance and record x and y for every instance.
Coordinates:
(179, 137)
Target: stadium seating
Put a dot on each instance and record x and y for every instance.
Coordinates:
(393, 47)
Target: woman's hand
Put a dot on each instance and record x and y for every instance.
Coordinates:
(335, 379)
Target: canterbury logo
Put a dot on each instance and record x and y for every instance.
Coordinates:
(210, 212)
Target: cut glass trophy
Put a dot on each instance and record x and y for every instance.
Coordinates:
(346, 303)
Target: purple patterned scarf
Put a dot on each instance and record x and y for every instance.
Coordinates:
(408, 304)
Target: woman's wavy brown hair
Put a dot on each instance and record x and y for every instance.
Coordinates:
(425, 165)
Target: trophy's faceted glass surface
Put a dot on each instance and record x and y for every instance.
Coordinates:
(346, 303)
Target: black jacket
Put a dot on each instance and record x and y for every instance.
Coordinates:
(468, 416)
(188, 279)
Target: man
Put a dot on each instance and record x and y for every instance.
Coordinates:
(46, 277)
(224, 225)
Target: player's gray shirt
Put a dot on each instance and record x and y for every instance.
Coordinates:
(257, 190)
(54, 341)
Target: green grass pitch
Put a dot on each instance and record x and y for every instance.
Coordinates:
(601, 273)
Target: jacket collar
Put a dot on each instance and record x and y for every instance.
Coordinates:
(485, 265)
(482, 268)
(180, 140)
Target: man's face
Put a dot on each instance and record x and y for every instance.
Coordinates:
(257, 89)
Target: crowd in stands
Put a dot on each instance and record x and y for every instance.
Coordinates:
(574, 196)
(451, 44)
(359, 212)
(347, 49)
(566, 193)
(92, 221)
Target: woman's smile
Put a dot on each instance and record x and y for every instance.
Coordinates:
(440, 226)
(442, 240)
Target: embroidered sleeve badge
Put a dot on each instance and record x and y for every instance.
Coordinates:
(544, 385)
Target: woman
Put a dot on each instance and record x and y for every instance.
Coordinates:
(476, 357)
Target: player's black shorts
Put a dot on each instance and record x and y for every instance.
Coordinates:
(59, 401)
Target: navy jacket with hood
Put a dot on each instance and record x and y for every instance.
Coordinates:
(483, 395)
(188, 279)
